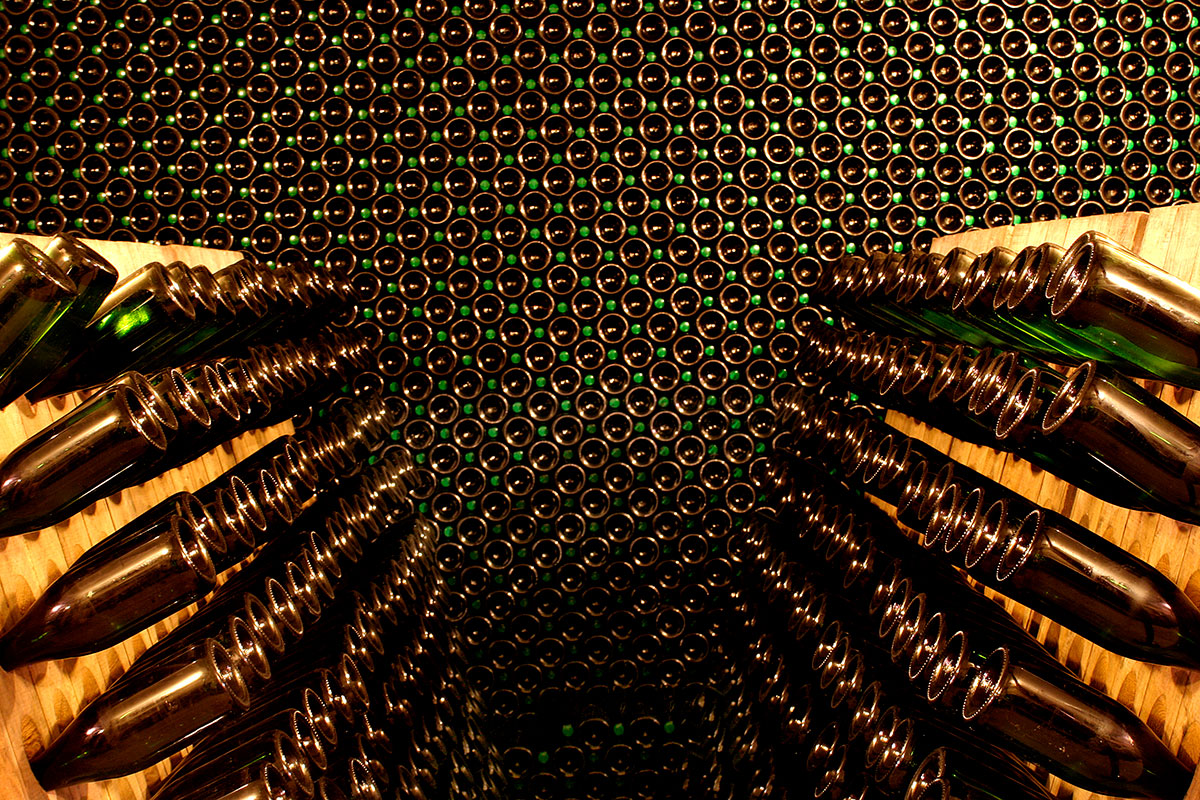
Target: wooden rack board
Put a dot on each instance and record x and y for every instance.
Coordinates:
(1167, 699)
(39, 700)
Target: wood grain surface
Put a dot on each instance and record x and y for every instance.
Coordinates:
(1166, 698)
(39, 700)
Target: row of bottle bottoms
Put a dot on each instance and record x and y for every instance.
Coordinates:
(137, 426)
(309, 669)
(1089, 425)
(933, 669)
(1095, 300)
(67, 323)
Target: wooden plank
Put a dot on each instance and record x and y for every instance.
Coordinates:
(1167, 699)
(39, 700)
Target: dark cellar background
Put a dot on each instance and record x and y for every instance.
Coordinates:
(582, 231)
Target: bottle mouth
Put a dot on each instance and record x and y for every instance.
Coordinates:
(300, 589)
(893, 609)
(1071, 275)
(1069, 397)
(1025, 281)
(849, 681)
(55, 282)
(350, 680)
(75, 252)
(1018, 404)
(343, 540)
(894, 367)
(896, 754)
(255, 391)
(908, 628)
(945, 511)
(246, 508)
(937, 274)
(859, 558)
(993, 383)
(880, 740)
(965, 519)
(978, 276)
(970, 370)
(293, 766)
(320, 715)
(917, 368)
(283, 607)
(896, 462)
(857, 457)
(822, 750)
(1020, 546)
(866, 712)
(262, 624)
(305, 734)
(1010, 278)
(949, 373)
(886, 588)
(273, 497)
(201, 518)
(237, 402)
(931, 497)
(186, 396)
(179, 288)
(323, 555)
(362, 780)
(831, 637)
(986, 685)
(833, 775)
(264, 371)
(928, 779)
(314, 572)
(210, 295)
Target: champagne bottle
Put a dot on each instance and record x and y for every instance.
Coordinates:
(1141, 315)
(90, 453)
(1093, 741)
(154, 567)
(94, 277)
(143, 310)
(34, 292)
(126, 731)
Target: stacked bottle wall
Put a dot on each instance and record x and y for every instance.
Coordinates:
(584, 230)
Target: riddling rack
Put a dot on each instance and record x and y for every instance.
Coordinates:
(39, 700)
(1166, 698)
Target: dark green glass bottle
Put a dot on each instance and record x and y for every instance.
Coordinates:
(143, 312)
(1141, 315)
(94, 277)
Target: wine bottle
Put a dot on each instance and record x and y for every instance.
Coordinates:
(143, 310)
(94, 277)
(1140, 314)
(90, 453)
(123, 732)
(153, 568)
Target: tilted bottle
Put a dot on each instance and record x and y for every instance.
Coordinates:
(90, 453)
(94, 277)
